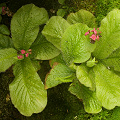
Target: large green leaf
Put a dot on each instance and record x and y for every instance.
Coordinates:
(107, 86)
(82, 16)
(110, 40)
(113, 60)
(7, 58)
(58, 74)
(90, 101)
(54, 30)
(75, 46)
(86, 76)
(27, 90)
(25, 25)
(43, 49)
(4, 30)
(5, 41)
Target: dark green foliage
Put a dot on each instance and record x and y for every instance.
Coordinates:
(105, 6)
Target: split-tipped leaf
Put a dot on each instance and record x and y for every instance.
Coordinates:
(90, 101)
(43, 49)
(110, 40)
(113, 60)
(82, 16)
(25, 25)
(7, 58)
(59, 74)
(58, 59)
(27, 90)
(107, 86)
(36, 65)
(75, 46)
(54, 30)
(86, 76)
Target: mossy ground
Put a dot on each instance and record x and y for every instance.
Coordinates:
(61, 104)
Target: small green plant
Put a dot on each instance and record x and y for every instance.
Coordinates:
(64, 9)
(89, 58)
(23, 50)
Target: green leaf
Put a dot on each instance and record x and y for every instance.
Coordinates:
(36, 64)
(5, 41)
(82, 16)
(90, 101)
(54, 29)
(75, 46)
(86, 76)
(58, 59)
(25, 25)
(110, 40)
(107, 86)
(58, 74)
(61, 12)
(43, 49)
(4, 30)
(27, 90)
(113, 60)
(7, 58)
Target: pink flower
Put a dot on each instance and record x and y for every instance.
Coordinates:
(27, 54)
(3, 9)
(20, 57)
(86, 33)
(94, 31)
(93, 37)
(22, 51)
(97, 37)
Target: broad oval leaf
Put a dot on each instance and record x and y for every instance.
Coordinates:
(27, 90)
(90, 101)
(107, 86)
(5, 41)
(25, 25)
(82, 16)
(110, 40)
(43, 49)
(7, 58)
(54, 29)
(75, 46)
(59, 74)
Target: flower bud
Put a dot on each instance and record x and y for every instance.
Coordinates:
(27, 54)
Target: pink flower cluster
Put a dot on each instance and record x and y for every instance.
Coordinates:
(95, 35)
(23, 52)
